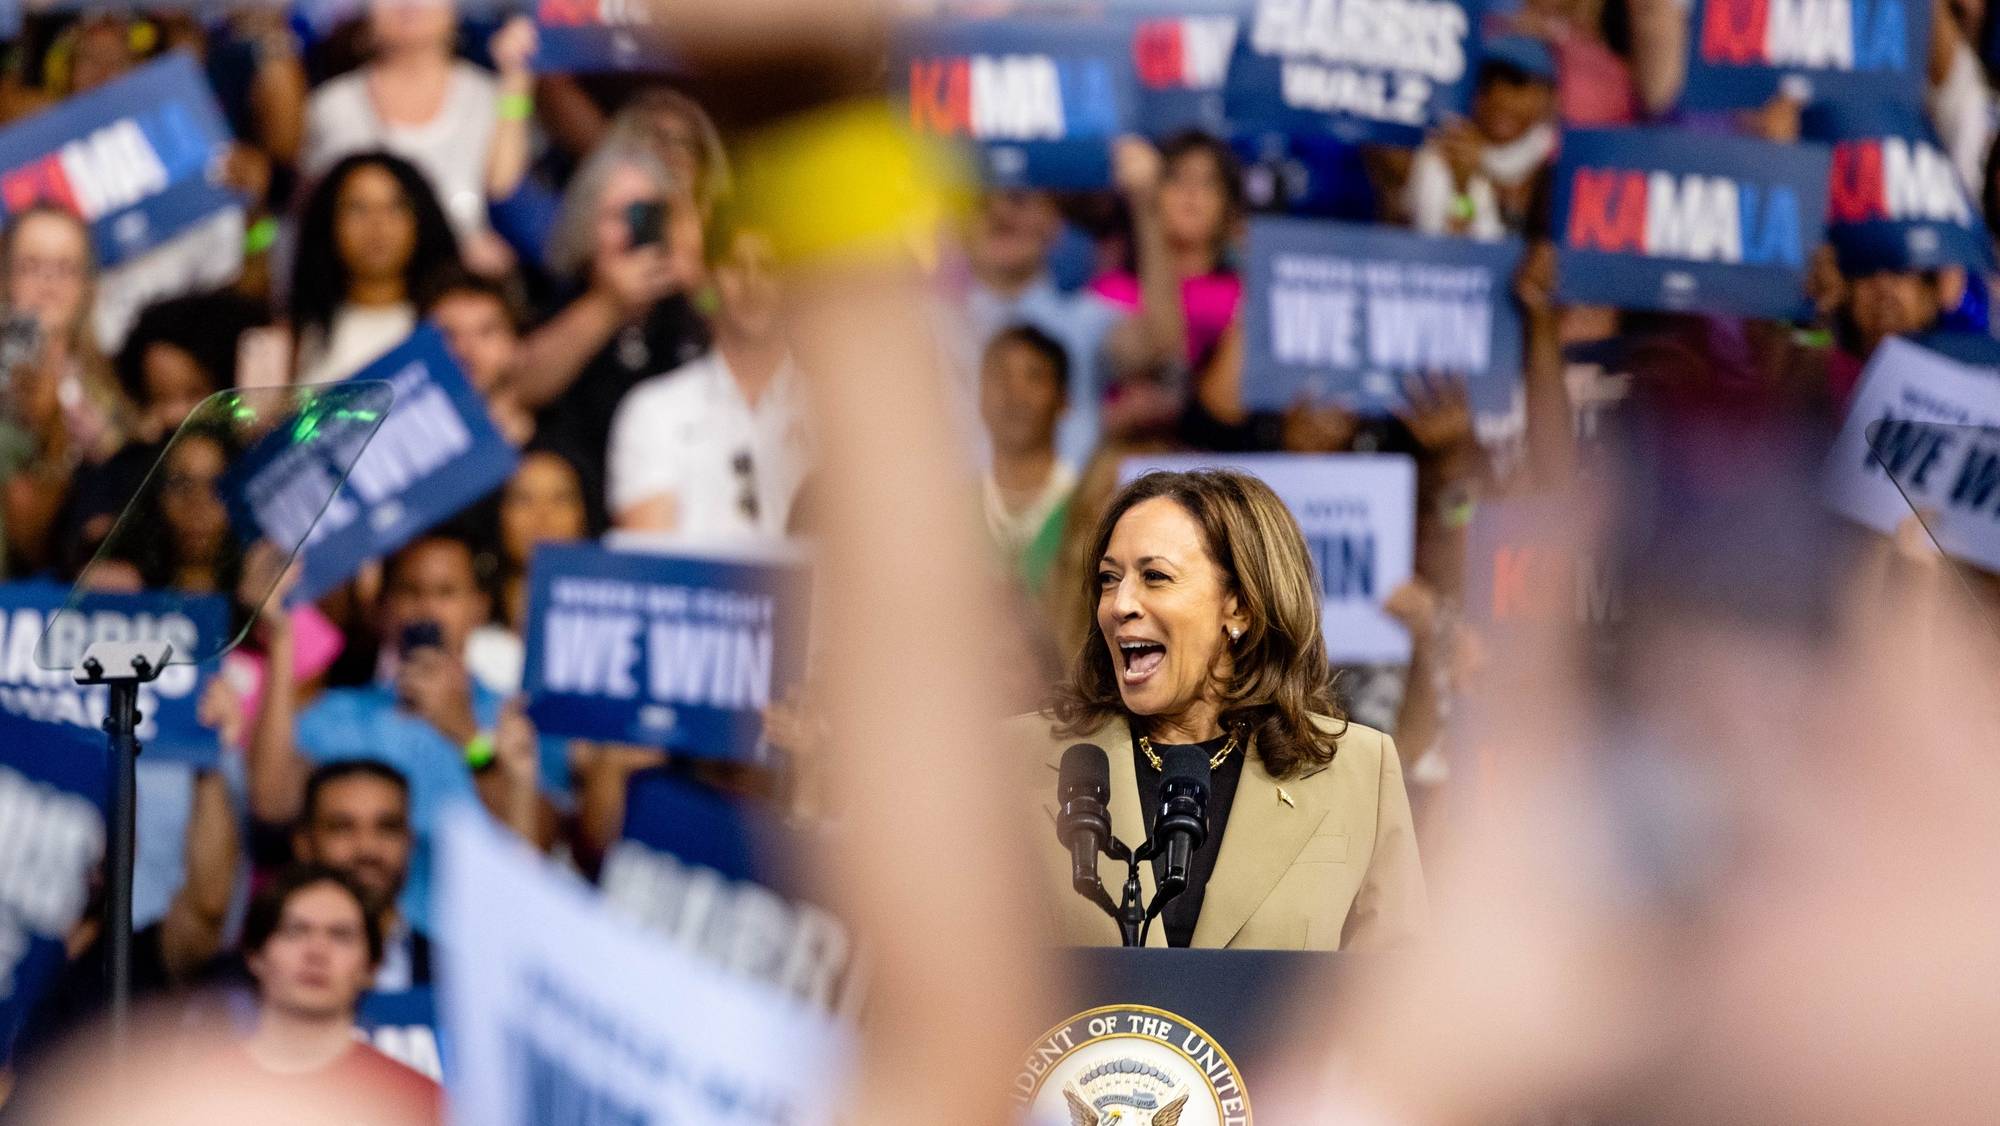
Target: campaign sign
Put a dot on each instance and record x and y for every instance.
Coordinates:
(675, 651)
(1041, 99)
(1359, 516)
(54, 787)
(1526, 568)
(1365, 70)
(1741, 53)
(1895, 200)
(134, 158)
(718, 876)
(403, 1025)
(435, 453)
(1679, 221)
(1182, 62)
(1923, 434)
(590, 36)
(587, 1017)
(1345, 312)
(168, 728)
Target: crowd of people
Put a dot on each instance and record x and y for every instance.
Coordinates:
(579, 242)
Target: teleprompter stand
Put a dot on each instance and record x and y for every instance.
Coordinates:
(121, 666)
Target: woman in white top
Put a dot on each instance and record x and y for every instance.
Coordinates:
(371, 234)
(416, 99)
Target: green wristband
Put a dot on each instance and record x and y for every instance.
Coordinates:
(479, 751)
(260, 235)
(517, 107)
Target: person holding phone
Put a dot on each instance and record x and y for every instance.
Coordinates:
(630, 238)
(425, 715)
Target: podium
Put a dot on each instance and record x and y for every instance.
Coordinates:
(1164, 1035)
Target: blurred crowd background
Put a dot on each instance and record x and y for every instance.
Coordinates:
(578, 241)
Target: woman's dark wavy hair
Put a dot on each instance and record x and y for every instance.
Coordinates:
(158, 556)
(319, 276)
(1280, 677)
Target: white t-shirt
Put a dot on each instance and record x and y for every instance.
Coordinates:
(360, 336)
(1014, 531)
(690, 434)
(450, 149)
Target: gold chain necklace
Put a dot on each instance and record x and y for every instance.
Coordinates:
(1153, 758)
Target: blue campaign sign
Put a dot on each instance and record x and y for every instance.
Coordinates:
(1386, 71)
(592, 36)
(404, 1026)
(1345, 312)
(1042, 99)
(436, 453)
(135, 158)
(723, 876)
(1182, 60)
(1358, 513)
(1741, 53)
(676, 651)
(1895, 200)
(168, 725)
(1688, 222)
(54, 787)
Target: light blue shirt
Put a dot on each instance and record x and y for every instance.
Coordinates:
(366, 723)
(1079, 321)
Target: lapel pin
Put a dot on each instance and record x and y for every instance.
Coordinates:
(1286, 798)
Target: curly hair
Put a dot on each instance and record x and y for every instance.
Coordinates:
(320, 276)
(1280, 678)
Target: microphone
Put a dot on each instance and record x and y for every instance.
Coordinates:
(1083, 817)
(1182, 823)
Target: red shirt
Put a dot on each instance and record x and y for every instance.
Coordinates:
(364, 1087)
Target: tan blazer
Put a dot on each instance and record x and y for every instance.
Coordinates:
(1332, 868)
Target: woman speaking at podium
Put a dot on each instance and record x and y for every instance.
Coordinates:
(1208, 633)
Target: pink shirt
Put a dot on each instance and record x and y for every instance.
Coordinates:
(1207, 301)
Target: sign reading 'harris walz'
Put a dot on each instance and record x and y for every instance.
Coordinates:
(1664, 219)
(682, 652)
(1364, 70)
(1042, 99)
(133, 159)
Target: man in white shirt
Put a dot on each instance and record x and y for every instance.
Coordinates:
(715, 450)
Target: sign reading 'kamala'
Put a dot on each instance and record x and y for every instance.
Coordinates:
(1041, 99)
(1663, 219)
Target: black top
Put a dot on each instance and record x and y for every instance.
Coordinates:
(578, 423)
(1181, 912)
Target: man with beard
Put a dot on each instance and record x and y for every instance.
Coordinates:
(356, 821)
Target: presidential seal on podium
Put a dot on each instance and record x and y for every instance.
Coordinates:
(1131, 1065)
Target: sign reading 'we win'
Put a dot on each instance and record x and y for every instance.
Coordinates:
(1343, 312)
(1923, 435)
(669, 651)
(435, 453)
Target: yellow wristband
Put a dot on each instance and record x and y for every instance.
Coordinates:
(848, 180)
